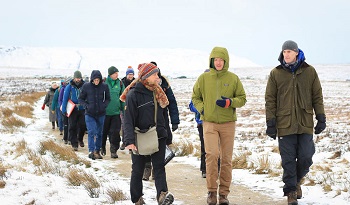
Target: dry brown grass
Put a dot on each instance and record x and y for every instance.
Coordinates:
(21, 147)
(3, 175)
(263, 165)
(29, 98)
(24, 110)
(183, 148)
(114, 195)
(78, 177)
(62, 153)
(12, 122)
(240, 160)
(6, 112)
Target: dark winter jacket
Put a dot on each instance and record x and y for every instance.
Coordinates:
(55, 103)
(292, 97)
(116, 88)
(139, 112)
(60, 97)
(95, 98)
(72, 92)
(127, 82)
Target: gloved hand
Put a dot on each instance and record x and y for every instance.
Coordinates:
(174, 127)
(271, 130)
(321, 123)
(43, 107)
(225, 102)
(52, 111)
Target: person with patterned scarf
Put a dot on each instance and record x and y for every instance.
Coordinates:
(140, 112)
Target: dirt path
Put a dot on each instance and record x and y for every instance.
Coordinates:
(185, 181)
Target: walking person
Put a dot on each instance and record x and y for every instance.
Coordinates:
(55, 108)
(48, 101)
(216, 95)
(140, 112)
(170, 110)
(76, 120)
(112, 123)
(127, 80)
(293, 94)
(95, 97)
(66, 138)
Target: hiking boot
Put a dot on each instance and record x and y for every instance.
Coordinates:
(146, 173)
(61, 132)
(103, 151)
(97, 155)
(91, 156)
(81, 144)
(53, 127)
(299, 191)
(122, 147)
(223, 200)
(69, 142)
(75, 148)
(292, 198)
(114, 155)
(165, 198)
(204, 175)
(140, 201)
(212, 199)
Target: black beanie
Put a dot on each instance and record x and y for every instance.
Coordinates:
(112, 70)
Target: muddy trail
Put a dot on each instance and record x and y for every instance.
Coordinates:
(184, 181)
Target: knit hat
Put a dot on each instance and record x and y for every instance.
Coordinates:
(112, 70)
(77, 74)
(290, 45)
(154, 63)
(130, 70)
(146, 70)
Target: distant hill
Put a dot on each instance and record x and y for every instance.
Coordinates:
(64, 61)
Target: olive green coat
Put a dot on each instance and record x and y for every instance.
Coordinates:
(210, 86)
(292, 98)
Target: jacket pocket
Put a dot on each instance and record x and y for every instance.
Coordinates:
(283, 118)
(306, 118)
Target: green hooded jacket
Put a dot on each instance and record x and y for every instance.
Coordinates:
(116, 88)
(291, 98)
(210, 86)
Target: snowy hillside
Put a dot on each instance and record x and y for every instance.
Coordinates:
(62, 61)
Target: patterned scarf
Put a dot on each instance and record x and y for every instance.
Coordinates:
(160, 94)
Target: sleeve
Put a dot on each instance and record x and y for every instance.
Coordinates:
(83, 96)
(130, 117)
(55, 100)
(239, 99)
(65, 98)
(197, 96)
(173, 109)
(271, 98)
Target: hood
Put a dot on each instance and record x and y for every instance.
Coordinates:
(96, 74)
(219, 52)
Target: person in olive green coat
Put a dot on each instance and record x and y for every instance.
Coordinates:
(216, 95)
(293, 94)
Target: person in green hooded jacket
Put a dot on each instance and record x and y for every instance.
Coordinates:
(112, 124)
(293, 94)
(216, 95)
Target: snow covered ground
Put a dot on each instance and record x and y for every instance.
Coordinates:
(250, 138)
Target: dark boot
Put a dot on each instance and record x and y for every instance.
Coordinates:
(146, 173)
(223, 200)
(140, 201)
(292, 198)
(212, 198)
(97, 155)
(299, 191)
(165, 198)
(91, 156)
(53, 125)
(114, 155)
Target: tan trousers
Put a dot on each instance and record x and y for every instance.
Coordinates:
(218, 140)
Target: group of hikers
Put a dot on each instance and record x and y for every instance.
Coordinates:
(104, 107)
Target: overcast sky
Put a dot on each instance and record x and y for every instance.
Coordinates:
(247, 28)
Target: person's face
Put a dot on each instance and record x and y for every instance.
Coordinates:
(219, 63)
(130, 76)
(114, 76)
(77, 80)
(290, 56)
(96, 81)
(153, 79)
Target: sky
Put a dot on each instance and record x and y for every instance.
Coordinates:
(254, 30)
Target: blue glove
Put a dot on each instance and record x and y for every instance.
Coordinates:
(225, 102)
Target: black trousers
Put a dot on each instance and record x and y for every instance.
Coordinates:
(77, 126)
(138, 165)
(111, 128)
(200, 132)
(296, 154)
(65, 128)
